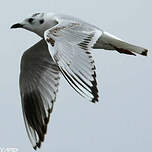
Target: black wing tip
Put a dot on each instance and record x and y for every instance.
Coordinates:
(145, 52)
(96, 98)
(38, 145)
(94, 89)
(95, 95)
(39, 127)
(35, 147)
(41, 137)
(44, 129)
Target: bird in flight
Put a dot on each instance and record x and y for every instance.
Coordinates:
(65, 48)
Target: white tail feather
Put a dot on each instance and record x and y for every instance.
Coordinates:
(120, 45)
(110, 42)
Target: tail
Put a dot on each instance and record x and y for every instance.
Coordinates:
(110, 42)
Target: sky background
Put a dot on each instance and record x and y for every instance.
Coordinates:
(122, 120)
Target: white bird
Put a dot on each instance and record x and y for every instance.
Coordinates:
(65, 48)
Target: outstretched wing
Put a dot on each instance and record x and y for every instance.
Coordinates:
(69, 45)
(39, 79)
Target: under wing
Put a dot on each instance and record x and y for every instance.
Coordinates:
(39, 79)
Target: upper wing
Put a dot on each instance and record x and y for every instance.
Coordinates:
(39, 79)
(69, 45)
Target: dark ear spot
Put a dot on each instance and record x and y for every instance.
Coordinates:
(41, 21)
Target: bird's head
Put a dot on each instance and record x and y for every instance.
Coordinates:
(37, 23)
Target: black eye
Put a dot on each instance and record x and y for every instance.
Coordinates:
(41, 21)
(30, 20)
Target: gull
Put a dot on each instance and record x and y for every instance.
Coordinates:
(65, 48)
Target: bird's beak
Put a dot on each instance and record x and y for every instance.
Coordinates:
(18, 25)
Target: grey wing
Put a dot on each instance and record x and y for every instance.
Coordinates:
(108, 41)
(39, 79)
(70, 46)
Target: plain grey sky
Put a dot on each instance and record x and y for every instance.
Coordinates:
(121, 121)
